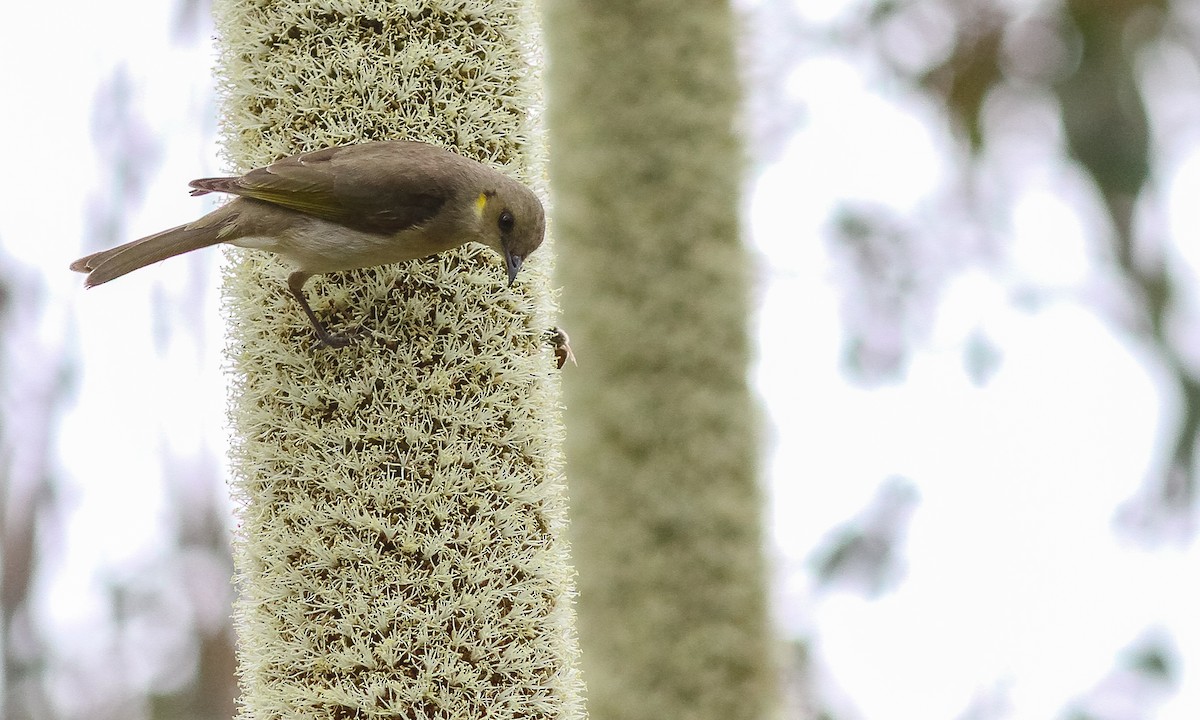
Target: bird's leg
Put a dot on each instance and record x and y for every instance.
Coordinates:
(296, 284)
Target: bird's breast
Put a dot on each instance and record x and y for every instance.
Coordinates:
(319, 246)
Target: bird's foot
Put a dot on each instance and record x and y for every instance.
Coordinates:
(326, 339)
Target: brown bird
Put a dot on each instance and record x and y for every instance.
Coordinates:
(349, 207)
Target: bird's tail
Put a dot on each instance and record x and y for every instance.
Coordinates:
(113, 263)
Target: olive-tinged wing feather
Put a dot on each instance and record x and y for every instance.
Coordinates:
(369, 188)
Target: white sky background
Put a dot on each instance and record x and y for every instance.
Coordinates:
(1016, 585)
(1018, 593)
(142, 392)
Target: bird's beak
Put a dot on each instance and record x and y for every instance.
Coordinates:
(513, 262)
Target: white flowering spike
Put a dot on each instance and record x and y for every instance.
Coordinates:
(664, 451)
(400, 549)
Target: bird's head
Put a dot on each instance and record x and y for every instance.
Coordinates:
(513, 223)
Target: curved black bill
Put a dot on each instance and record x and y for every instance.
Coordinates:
(513, 262)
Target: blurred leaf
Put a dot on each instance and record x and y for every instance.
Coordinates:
(972, 69)
(882, 289)
(1141, 680)
(864, 555)
(129, 154)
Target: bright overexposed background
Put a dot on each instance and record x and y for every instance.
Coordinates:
(1014, 595)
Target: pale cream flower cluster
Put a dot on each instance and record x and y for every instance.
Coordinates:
(400, 547)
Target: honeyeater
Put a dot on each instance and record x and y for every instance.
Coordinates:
(349, 207)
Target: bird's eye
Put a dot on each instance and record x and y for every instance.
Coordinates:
(506, 222)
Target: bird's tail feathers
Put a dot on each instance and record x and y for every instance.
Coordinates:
(204, 186)
(113, 263)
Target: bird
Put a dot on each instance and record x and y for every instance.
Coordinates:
(349, 207)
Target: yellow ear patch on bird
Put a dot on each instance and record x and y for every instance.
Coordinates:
(481, 203)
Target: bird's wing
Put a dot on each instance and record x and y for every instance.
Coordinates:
(379, 187)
